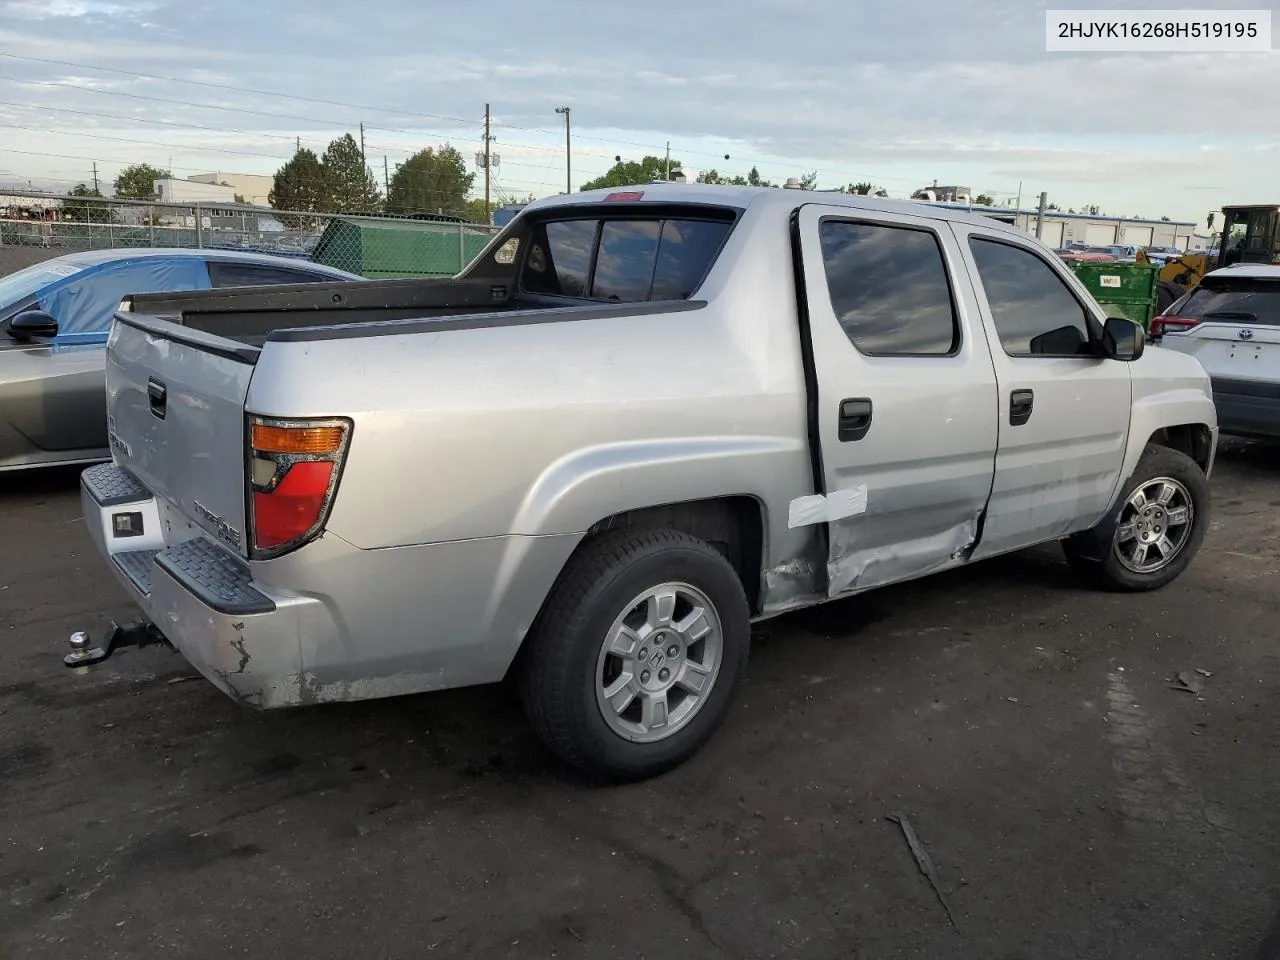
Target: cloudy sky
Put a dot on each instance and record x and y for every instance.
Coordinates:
(958, 91)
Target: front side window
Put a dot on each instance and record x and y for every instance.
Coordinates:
(889, 288)
(1035, 314)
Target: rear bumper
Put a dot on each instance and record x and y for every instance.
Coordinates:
(240, 636)
(1247, 408)
(327, 622)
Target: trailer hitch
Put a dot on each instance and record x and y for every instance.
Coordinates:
(141, 633)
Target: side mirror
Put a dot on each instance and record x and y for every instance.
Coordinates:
(30, 324)
(1122, 339)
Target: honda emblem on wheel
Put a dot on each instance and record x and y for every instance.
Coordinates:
(1246, 334)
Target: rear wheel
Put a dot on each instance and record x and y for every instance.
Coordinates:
(1157, 529)
(636, 656)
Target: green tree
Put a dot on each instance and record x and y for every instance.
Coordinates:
(809, 181)
(984, 200)
(86, 210)
(432, 180)
(352, 188)
(629, 173)
(474, 211)
(138, 181)
(301, 184)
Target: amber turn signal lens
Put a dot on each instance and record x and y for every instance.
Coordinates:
(266, 438)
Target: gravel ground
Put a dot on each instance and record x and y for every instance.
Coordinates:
(1073, 803)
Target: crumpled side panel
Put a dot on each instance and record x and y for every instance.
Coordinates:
(855, 567)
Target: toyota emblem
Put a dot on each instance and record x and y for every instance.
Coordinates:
(1246, 334)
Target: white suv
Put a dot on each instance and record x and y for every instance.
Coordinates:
(1231, 323)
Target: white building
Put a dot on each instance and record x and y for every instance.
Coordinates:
(1096, 230)
(173, 190)
(252, 188)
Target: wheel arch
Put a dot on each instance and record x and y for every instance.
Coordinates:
(735, 525)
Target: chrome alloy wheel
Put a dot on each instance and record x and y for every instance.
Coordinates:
(659, 662)
(1155, 525)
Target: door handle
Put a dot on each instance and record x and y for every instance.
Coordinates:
(1020, 404)
(855, 418)
(157, 397)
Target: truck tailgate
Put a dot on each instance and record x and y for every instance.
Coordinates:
(175, 418)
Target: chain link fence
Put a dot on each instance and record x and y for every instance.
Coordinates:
(35, 227)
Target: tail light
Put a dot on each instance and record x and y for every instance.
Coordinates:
(294, 467)
(1162, 325)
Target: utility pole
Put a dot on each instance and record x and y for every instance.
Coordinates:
(487, 163)
(298, 144)
(568, 152)
(668, 159)
(386, 176)
(1017, 204)
(95, 176)
(362, 142)
(1040, 216)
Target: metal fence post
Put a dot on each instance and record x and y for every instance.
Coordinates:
(199, 230)
(462, 249)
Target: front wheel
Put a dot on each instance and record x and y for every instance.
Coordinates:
(1156, 531)
(637, 653)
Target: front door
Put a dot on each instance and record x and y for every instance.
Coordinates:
(1064, 411)
(905, 391)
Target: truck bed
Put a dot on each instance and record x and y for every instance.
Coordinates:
(249, 314)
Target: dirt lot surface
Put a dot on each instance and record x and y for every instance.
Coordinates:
(1074, 804)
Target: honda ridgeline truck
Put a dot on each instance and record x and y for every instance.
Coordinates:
(641, 420)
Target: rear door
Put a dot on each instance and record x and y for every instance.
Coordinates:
(906, 395)
(175, 404)
(1064, 412)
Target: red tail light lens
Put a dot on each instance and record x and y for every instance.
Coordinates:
(293, 470)
(292, 508)
(1162, 325)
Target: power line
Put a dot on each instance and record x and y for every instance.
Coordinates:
(270, 93)
(758, 164)
(227, 86)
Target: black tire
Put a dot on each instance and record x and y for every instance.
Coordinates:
(1093, 554)
(1167, 293)
(558, 669)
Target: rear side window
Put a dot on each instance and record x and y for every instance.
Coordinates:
(228, 274)
(626, 260)
(1233, 300)
(889, 288)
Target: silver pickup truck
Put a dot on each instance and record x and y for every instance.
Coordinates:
(638, 422)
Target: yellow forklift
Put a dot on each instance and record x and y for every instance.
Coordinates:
(1250, 234)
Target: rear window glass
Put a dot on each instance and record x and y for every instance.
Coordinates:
(1237, 299)
(560, 258)
(622, 260)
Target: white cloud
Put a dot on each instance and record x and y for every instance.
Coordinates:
(958, 90)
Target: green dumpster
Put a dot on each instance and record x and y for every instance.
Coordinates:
(378, 248)
(1123, 289)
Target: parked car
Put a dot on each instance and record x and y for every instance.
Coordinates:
(642, 419)
(54, 319)
(1230, 323)
(1162, 254)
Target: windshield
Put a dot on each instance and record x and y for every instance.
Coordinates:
(20, 286)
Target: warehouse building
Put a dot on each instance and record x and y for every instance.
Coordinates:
(1094, 229)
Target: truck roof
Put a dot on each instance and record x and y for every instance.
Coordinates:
(755, 197)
